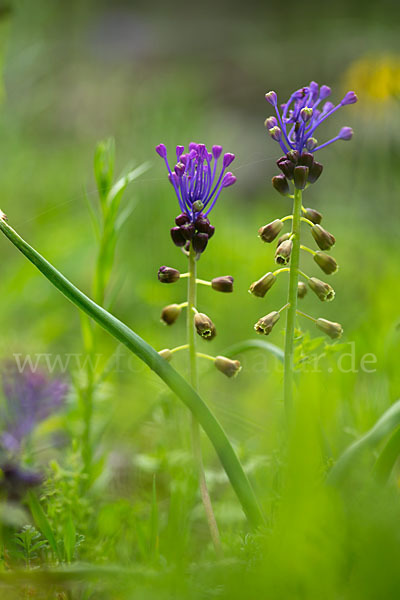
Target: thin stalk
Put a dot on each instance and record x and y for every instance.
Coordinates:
(196, 441)
(292, 300)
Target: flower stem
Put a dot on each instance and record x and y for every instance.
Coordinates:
(196, 442)
(292, 300)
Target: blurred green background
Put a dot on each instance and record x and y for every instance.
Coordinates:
(77, 72)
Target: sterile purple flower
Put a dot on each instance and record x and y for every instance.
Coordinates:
(302, 114)
(30, 397)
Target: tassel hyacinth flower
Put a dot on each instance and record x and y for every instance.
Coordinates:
(294, 127)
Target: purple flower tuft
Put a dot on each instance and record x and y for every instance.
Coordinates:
(346, 133)
(272, 98)
(30, 397)
(195, 180)
(350, 98)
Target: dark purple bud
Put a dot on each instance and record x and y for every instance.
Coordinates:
(300, 175)
(211, 231)
(306, 160)
(177, 237)
(204, 326)
(228, 180)
(199, 242)
(168, 275)
(270, 231)
(313, 215)
(216, 151)
(287, 168)
(280, 183)
(179, 169)
(293, 155)
(265, 324)
(222, 284)
(324, 92)
(202, 224)
(326, 262)
(272, 98)
(181, 219)
(314, 172)
(275, 133)
(161, 150)
(270, 123)
(323, 290)
(187, 230)
(324, 239)
(170, 313)
(346, 133)
(350, 98)
(228, 159)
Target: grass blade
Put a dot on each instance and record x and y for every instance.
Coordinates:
(247, 345)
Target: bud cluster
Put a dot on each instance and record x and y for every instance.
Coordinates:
(197, 232)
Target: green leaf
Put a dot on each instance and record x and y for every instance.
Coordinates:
(69, 539)
(247, 345)
(388, 422)
(42, 523)
(104, 160)
(161, 367)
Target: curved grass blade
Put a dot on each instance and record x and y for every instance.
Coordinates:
(42, 523)
(164, 370)
(388, 422)
(247, 345)
(387, 458)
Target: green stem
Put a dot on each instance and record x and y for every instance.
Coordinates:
(292, 300)
(159, 365)
(196, 441)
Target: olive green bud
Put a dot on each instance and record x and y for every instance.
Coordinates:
(168, 275)
(260, 288)
(270, 231)
(283, 251)
(222, 284)
(324, 239)
(334, 330)
(265, 324)
(323, 290)
(228, 367)
(281, 185)
(283, 238)
(204, 326)
(300, 175)
(313, 215)
(170, 313)
(166, 354)
(197, 205)
(327, 263)
(301, 289)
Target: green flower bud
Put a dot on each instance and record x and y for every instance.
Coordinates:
(281, 185)
(301, 289)
(197, 206)
(269, 232)
(334, 330)
(204, 326)
(327, 263)
(228, 367)
(168, 275)
(166, 354)
(323, 290)
(324, 239)
(265, 324)
(282, 254)
(170, 314)
(313, 215)
(222, 284)
(300, 175)
(260, 288)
